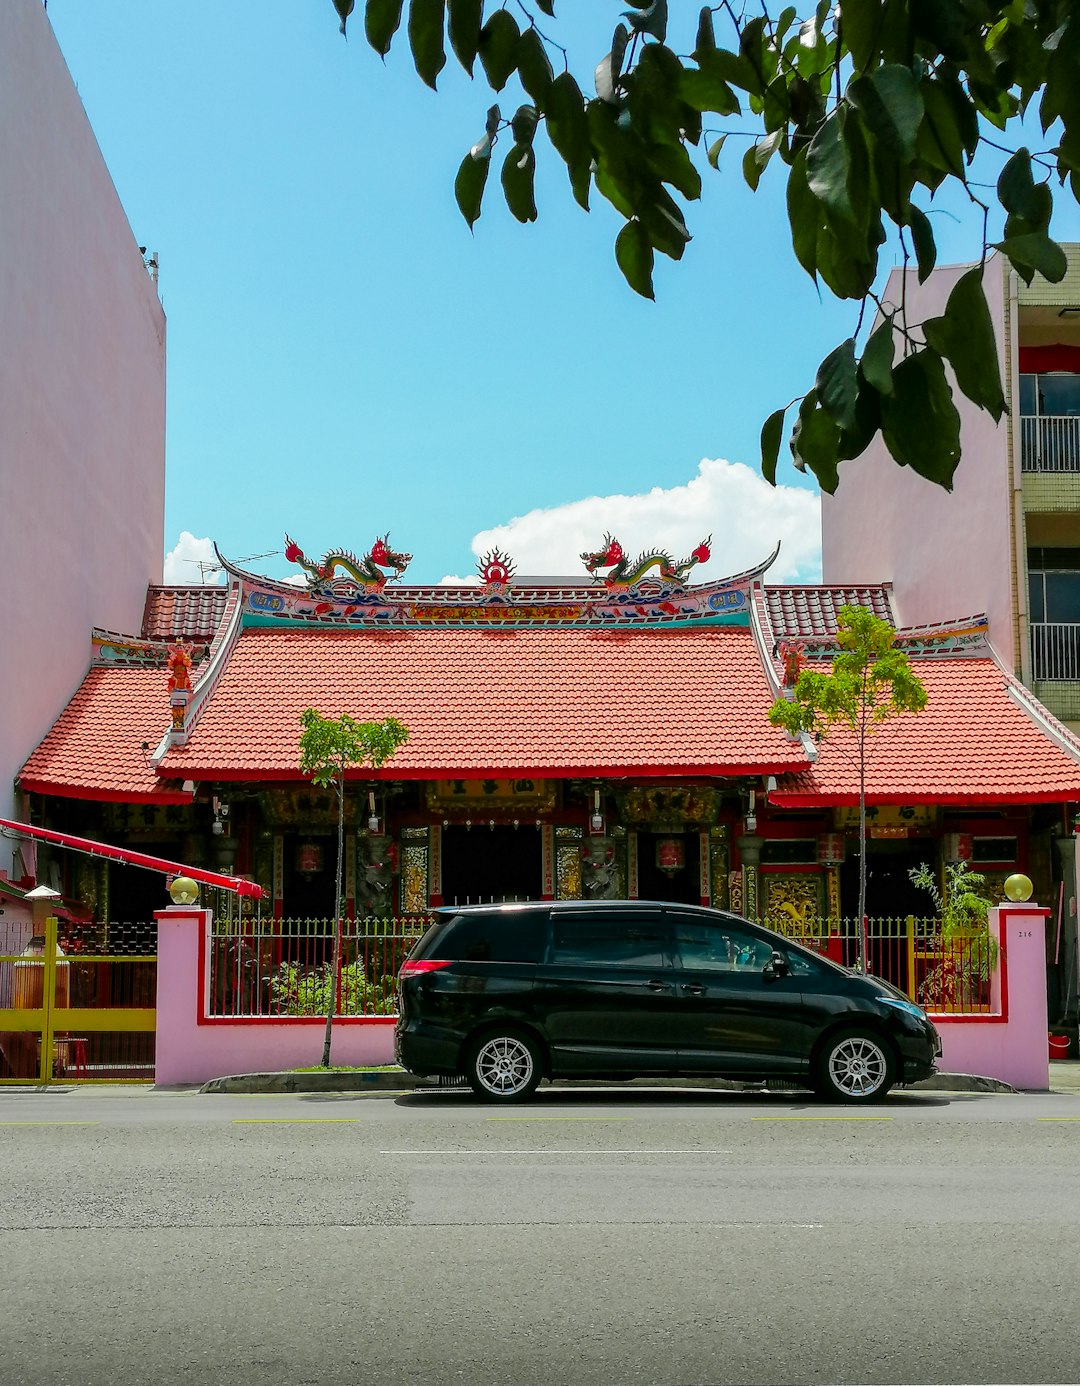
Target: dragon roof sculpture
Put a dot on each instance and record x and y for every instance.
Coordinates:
(627, 575)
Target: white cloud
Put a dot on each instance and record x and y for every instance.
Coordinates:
(452, 580)
(182, 562)
(729, 500)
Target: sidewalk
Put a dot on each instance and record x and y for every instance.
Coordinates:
(1064, 1078)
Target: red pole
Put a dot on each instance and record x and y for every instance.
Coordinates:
(168, 868)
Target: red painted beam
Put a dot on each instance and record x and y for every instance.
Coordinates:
(168, 868)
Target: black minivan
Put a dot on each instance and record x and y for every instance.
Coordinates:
(510, 994)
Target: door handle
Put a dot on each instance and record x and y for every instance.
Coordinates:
(694, 989)
(657, 985)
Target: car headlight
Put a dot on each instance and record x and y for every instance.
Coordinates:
(908, 1006)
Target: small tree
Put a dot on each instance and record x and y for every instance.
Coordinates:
(963, 910)
(871, 681)
(328, 747)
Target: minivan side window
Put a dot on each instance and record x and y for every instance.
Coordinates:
(724, 946)
(628, 940)
(513, 938)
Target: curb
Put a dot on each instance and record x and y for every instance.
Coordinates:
(398, 1081)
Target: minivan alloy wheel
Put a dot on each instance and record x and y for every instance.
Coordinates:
(504, 1066)
(855, 1067)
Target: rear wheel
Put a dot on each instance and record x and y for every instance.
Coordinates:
(855, 1066)
(504, 1066)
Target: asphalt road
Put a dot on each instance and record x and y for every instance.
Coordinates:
(591, 1239)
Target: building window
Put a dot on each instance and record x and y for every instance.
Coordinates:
(1050, 422)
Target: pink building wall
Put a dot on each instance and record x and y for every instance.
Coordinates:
(947, 555)
(82, 395)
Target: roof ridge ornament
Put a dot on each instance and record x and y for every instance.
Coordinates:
(366, 575)
(496, 571)
(625, 575)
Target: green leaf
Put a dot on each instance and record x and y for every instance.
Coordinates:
(634, 254)
(925, 248)
(705, 90)
(837, 384)
(381, 21)
(427, 21)
(891, 104)
(534, 67)
(862, 20)
(518, 176)
(470, 182)
(649, 18)
(814, 443)
(464, 18)
(568, 130)
(828, 167)
(344, 9)
(757, 157)
(804, 215)
(713, 153)
(919, 422)
(1020, 195)
(673, 165)
(706, 34)
(941, 143)
(965, 335)
(772, 433)
(499, 39)
(523, 124)
(877, 358)
(546, 7)
(1035, 254)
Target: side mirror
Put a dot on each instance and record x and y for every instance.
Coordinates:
(777, 966)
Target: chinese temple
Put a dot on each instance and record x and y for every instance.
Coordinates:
(604, 735)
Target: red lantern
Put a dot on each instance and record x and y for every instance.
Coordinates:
(670, 855)
(831, 849)
(309, 858)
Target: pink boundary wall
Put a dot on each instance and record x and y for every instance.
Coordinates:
(1010, 1043)
(194, 1049)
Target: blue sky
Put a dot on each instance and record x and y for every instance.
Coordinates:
(345, 358)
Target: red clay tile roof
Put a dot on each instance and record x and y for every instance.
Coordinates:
(94, 750)
(973, 744)
(547, 702)
(183, 613)
(802, 612)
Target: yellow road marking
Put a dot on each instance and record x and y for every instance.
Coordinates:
(821, 1118)
(1057, 1118)
(560, 1118)
(293, 1121)
(50, 1123)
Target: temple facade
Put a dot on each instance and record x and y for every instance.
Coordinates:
(601, 737)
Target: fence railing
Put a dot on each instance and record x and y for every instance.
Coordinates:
(1055, 651)
(284, 967)
(947, 976)
(1049, 443)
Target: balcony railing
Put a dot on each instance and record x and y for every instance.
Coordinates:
(1049, 443)
(1055, 651)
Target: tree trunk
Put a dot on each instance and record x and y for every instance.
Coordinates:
(336, 965)
(864, 946)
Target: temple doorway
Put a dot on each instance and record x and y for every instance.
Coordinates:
(890, 893)
(681, 884)
(481, 865)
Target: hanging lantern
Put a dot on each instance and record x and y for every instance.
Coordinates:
(957, 847)
(831, 849)
(670, 855)
(309, 858)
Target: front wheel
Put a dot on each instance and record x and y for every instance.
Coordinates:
(854, 1067)
(504, 1067)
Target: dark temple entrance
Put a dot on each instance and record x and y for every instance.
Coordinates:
(683, 886)
(482, 864)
